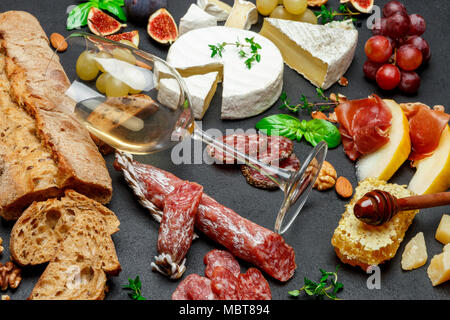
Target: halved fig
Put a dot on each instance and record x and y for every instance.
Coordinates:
(102, 24)
(364, 6)
(162, 27)
(132, 36)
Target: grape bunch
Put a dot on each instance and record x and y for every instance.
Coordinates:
(295, 10)
(396, 50)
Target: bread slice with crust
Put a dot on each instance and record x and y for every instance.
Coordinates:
(40, 230)
(363, 245)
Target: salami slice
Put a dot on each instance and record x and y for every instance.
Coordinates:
(259, 180)
(278, 149)
(194, 287)
(220, 258)
(177, 228)
(243, 238)
(225, 284)
(253, 286)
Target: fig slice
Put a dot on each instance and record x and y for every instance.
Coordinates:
(364, 6)
(162, 27)
(132, 36)
(102, 24)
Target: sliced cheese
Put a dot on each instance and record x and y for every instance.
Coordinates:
(246, 92)
(196, 18)
(415, 253)
(439, 268)
(243, 15)
(321, 53)
(216, 8)
(201, 89)
(443, 230)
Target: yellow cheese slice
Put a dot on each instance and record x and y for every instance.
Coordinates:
(443, 230)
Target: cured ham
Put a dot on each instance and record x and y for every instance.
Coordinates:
(425, 128)
(364, 125)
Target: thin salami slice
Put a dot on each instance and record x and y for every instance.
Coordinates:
(253, 286)
(243, 238)
(220, 258)
(225, 284)
(194, 287)
(278, 149)
(177, 228)
(259, 180)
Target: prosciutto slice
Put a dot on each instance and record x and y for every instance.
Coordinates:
(425, 128)
(364, 125)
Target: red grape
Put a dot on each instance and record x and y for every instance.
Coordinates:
(409, 82)
(421, 44)
(393, 7)
(370, 69)
(379, 27)
(397, 25)
(408, 58)
(378, 49)
(417, 26)
(388, 77)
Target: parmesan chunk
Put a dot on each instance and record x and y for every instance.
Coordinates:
(439, 268)
(443, 230)
(415, 253)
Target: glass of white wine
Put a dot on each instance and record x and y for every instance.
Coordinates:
(137, 103)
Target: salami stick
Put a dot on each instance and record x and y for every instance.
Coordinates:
(177, 229)
(243, 238)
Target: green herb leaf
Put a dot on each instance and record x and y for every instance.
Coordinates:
(321, 130)
(135, 287)
(78, 16)
(282, 125)
(321, 289)
(113, 8)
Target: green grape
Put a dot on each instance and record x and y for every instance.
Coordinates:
(86, 66)
(308, 16)
(116, 88)
(101, 82)
(265, 7)
(103, 55)
(295, 6)
(281, 13)
(124, 55)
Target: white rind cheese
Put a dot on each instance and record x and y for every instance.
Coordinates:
(217, 8)
(321, 53)
(243, 15)
(196, 18)
(246, 92)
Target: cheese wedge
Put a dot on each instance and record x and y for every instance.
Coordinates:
(245, 92)
(201, 89)
(415, 254)
(243, 15)
(439, 268)
(321, 53)
(443, 230)
(196, 18)
(216, 8)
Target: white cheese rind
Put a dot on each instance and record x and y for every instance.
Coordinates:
(221, 12)
(246, 92)
(196, 18)
(334, 44)
(243, 15)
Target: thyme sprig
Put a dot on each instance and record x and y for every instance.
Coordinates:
(251, 56)
(304, 103)
(327, 15)
(135, 288)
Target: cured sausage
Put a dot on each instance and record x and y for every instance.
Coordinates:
(220, 258)
(253, 286)
(225, 284)
(243, 238)
(177, 228)
(194, 287)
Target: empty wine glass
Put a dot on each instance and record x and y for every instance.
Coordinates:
(137, 103)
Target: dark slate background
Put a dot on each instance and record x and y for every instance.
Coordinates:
(310, 235)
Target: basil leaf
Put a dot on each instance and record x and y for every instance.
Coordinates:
(321, 130)
(282, 125)
(114, 9)
(78, 16)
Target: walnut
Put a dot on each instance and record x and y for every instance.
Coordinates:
(439, 107)
(343, 81)
(10, 275)
(5, 297)
(1, 248)
(327, 177)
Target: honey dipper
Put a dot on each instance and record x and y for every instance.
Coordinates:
(378, 207)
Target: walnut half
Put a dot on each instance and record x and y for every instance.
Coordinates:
(327, 177)
(10, 276)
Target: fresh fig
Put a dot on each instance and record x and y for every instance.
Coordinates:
(102, 24)
(140, 10)
(132, 36)
(364, 6)
(162, 27)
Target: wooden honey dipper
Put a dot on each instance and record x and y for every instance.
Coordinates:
(378, 207)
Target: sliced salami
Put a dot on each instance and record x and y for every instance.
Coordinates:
(194, 287)
(259, 180)
(177, 228)
(225, 284)
(278, 149)
(253, 286)
(220, 258)
(243, 238)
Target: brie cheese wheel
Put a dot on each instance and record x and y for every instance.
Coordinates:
(245, 92)
(201, 89)
(196, 18)
(216, 8)
(321, 53)
(243, 15)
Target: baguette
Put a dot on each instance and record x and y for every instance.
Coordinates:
(359, 244)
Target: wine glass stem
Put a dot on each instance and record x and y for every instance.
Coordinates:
(278, 175)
